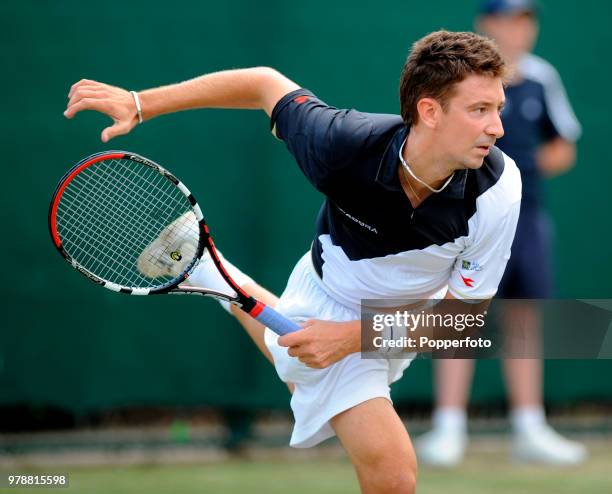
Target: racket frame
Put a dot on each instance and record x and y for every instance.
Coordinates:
(242, 299)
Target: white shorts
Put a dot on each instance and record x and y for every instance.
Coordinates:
(321, 394)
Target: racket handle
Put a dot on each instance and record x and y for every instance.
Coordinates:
(276, 321)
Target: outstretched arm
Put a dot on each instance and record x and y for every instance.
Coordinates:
(257, 88)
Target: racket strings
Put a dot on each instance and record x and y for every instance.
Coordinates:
(185, 228)
(98, 239)
(122, 231)
(106, 202)
(96, 249)
(111, 213)
(90, 218)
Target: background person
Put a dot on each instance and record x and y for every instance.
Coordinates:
(540, 134)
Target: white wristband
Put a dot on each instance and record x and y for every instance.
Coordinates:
(138, 107)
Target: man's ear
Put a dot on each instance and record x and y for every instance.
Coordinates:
(429, 112)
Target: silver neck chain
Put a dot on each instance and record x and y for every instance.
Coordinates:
(422, 182)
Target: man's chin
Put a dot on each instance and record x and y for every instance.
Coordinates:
(473, 163)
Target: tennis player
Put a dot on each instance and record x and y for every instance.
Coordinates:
(416, 206)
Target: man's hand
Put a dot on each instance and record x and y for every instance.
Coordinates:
(115, 102)
(556, 157)
(323, 343)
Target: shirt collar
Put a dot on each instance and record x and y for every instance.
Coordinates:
(387, 175)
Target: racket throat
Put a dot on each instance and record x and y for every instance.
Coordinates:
(253, 307)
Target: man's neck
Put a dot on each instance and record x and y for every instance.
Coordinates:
(421, 155)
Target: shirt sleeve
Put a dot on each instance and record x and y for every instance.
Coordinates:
(479, 268)
(559, 109)
(322, 139)
(560, 115)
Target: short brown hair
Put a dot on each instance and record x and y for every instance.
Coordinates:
(439, 61)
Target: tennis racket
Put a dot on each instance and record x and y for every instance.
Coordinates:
(130, 225)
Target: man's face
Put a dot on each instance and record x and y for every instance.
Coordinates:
(514, 33)
(471, 123)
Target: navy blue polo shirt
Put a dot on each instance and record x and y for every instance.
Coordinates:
(370, 242)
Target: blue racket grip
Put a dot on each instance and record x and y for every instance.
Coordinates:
(276, 321)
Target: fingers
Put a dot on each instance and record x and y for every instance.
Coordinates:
(297, 337)
(83, 92)
(118, 129)
(315, 361)
(87, 104)
(85, 83)
(315, 344)
(86, 92)
(305, 355)
(294, 351)
(115, 102)
(292, 339)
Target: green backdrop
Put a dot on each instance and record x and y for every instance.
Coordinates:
(67, 343)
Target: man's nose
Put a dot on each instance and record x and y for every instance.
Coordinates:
(495, 127)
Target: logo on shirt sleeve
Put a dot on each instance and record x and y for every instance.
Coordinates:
(467, 281)
(470, 266)
(301, 99)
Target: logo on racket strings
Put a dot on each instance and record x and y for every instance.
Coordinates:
(176, 255)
